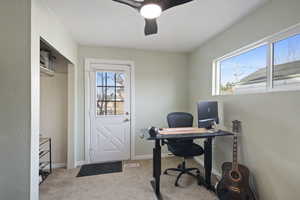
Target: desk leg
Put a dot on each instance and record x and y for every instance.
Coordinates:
(208, 162)
(157, 169)
(50, 155)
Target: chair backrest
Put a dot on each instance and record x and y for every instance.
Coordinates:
(180, 119)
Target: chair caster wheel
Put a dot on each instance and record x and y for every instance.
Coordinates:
(176, 185)
(200, 182)
(179, 166)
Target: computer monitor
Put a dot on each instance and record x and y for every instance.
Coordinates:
(207, 114)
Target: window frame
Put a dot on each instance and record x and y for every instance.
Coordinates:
(269, 41)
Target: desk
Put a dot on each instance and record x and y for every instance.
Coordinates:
(189, 133)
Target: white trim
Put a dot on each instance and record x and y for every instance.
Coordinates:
(262, 91)
(270, 40)
(80, 163)
(35, 113)
(87, 112)
(72, 115)
(35, 119)
(215, 77)
(150, 156)
(270, 63)
(214, 171)
(136, 157)
(57, 165)
(118, 65)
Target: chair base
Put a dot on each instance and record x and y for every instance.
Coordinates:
(183, 170)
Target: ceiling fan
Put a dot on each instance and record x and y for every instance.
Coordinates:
(152, 9)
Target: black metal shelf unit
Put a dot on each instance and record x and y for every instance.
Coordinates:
(45, 167)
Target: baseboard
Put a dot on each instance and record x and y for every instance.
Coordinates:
(79, 163)
(137, 157)
(57, 165)
(214, 171)
(150, 156)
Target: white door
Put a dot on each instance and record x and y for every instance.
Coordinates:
(110, 113)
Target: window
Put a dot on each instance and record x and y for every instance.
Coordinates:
(286, 70)
(110, 93)
(271, 64)
(245, 71)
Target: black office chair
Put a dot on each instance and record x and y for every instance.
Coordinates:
(185, 148)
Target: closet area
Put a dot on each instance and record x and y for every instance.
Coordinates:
(53, 110)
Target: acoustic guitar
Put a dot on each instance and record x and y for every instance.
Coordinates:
(234, 184)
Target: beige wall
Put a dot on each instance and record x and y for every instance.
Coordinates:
(160, 85)
(269, 142)
(15, 100)
(54, 111)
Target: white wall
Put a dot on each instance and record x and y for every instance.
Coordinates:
(269, 142)
(54, 111)
(48, 26)
(15, 100)
(45, 24)
(160, 84)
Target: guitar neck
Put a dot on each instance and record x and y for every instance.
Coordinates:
(236, 128)
(235, 153)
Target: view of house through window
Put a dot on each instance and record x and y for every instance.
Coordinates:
(244, 72)
(272, 64)
(110, 93)
(286, 71)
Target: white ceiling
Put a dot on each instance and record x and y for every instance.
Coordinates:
(183, 28)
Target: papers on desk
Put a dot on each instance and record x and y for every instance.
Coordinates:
(178, 129)
(188, 130)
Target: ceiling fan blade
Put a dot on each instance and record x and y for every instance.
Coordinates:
(131, 3)
(150, 26)
(166, 4)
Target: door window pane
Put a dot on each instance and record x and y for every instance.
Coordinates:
(110, 77)
(120, 108)
(101, 105)
(101, 93)
(286, 69)
(110, 108)
(244, 72)
(120, 94)
(120, 79)
(100, 78)
(110, 93)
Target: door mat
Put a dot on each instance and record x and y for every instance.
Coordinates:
(100, 168)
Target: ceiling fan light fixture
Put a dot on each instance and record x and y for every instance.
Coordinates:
(151, 11)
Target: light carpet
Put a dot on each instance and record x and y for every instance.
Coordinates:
(131, 184)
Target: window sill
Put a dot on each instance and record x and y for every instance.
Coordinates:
(278, 89)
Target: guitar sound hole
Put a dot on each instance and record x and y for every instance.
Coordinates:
(235, 175)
